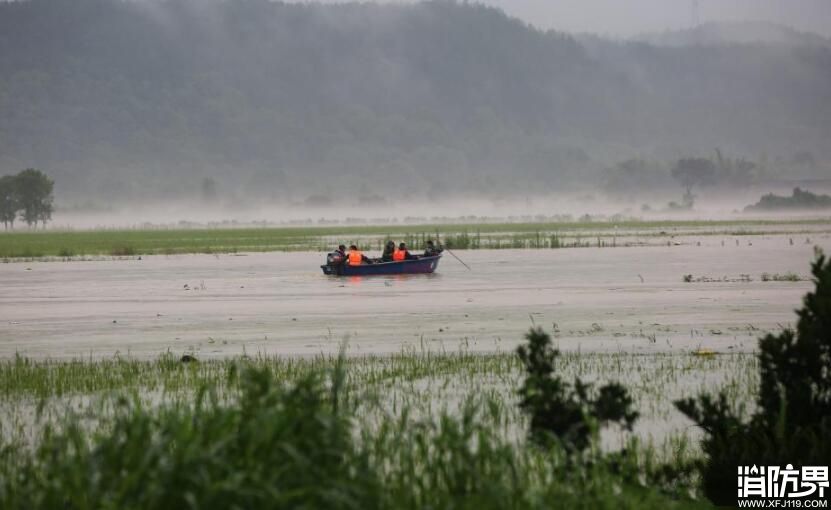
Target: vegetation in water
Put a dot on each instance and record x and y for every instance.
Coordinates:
(588, 232)
(395, 402)
(307, 442)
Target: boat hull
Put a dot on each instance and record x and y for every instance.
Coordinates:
(424, 265)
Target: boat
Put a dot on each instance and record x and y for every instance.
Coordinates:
(421, 265)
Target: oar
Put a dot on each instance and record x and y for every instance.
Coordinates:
(438, 240)
(457, 258)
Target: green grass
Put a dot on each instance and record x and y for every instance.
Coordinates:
(412, 430)
(421, 382)
(271, 433)
(651, 376)
(62, 244)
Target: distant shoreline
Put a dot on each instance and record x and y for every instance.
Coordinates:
(74, 245)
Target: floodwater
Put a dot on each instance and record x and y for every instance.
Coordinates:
(591, 299)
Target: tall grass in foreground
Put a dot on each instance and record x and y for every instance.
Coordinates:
(302, 445)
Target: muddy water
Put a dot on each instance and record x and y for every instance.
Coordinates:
(591, 299)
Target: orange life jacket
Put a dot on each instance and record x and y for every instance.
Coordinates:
(355, 258)
(399, 255)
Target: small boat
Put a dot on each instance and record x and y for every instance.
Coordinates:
(422, 265)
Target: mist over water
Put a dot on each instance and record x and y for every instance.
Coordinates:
(585, 206)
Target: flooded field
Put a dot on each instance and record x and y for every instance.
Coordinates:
(590, 299)
(35, 393)
(670, 321)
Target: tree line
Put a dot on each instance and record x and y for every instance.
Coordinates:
(635, 176)
(27, 196)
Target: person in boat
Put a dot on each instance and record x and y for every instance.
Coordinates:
(402, 253)
(389, 250)
(355, 257)
(431, 250)
(337, 257)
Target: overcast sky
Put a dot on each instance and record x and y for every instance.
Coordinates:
(630, 17)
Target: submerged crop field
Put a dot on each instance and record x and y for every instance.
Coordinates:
(431, 429)
(472, 235)
(254, 381)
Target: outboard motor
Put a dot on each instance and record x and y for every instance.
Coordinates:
(334, 263)
(334, 259)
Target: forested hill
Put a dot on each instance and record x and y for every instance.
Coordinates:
(735, 32)
(148, 97)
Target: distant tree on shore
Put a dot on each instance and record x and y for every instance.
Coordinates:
(692, 172)
(29, 194)
(635, 176)
(9, 201)
(799, 200)
(737, 173)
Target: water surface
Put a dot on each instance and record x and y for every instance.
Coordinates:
(592, 299)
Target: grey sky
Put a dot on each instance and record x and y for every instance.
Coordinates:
(630, 17)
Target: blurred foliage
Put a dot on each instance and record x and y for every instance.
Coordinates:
(561, 413)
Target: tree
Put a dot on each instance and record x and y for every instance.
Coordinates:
(35, 193)
(562, 412)
(45, 211)
(9, 200)
(634, 176)
(734, 172)
(804, 159)
(694, 172)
